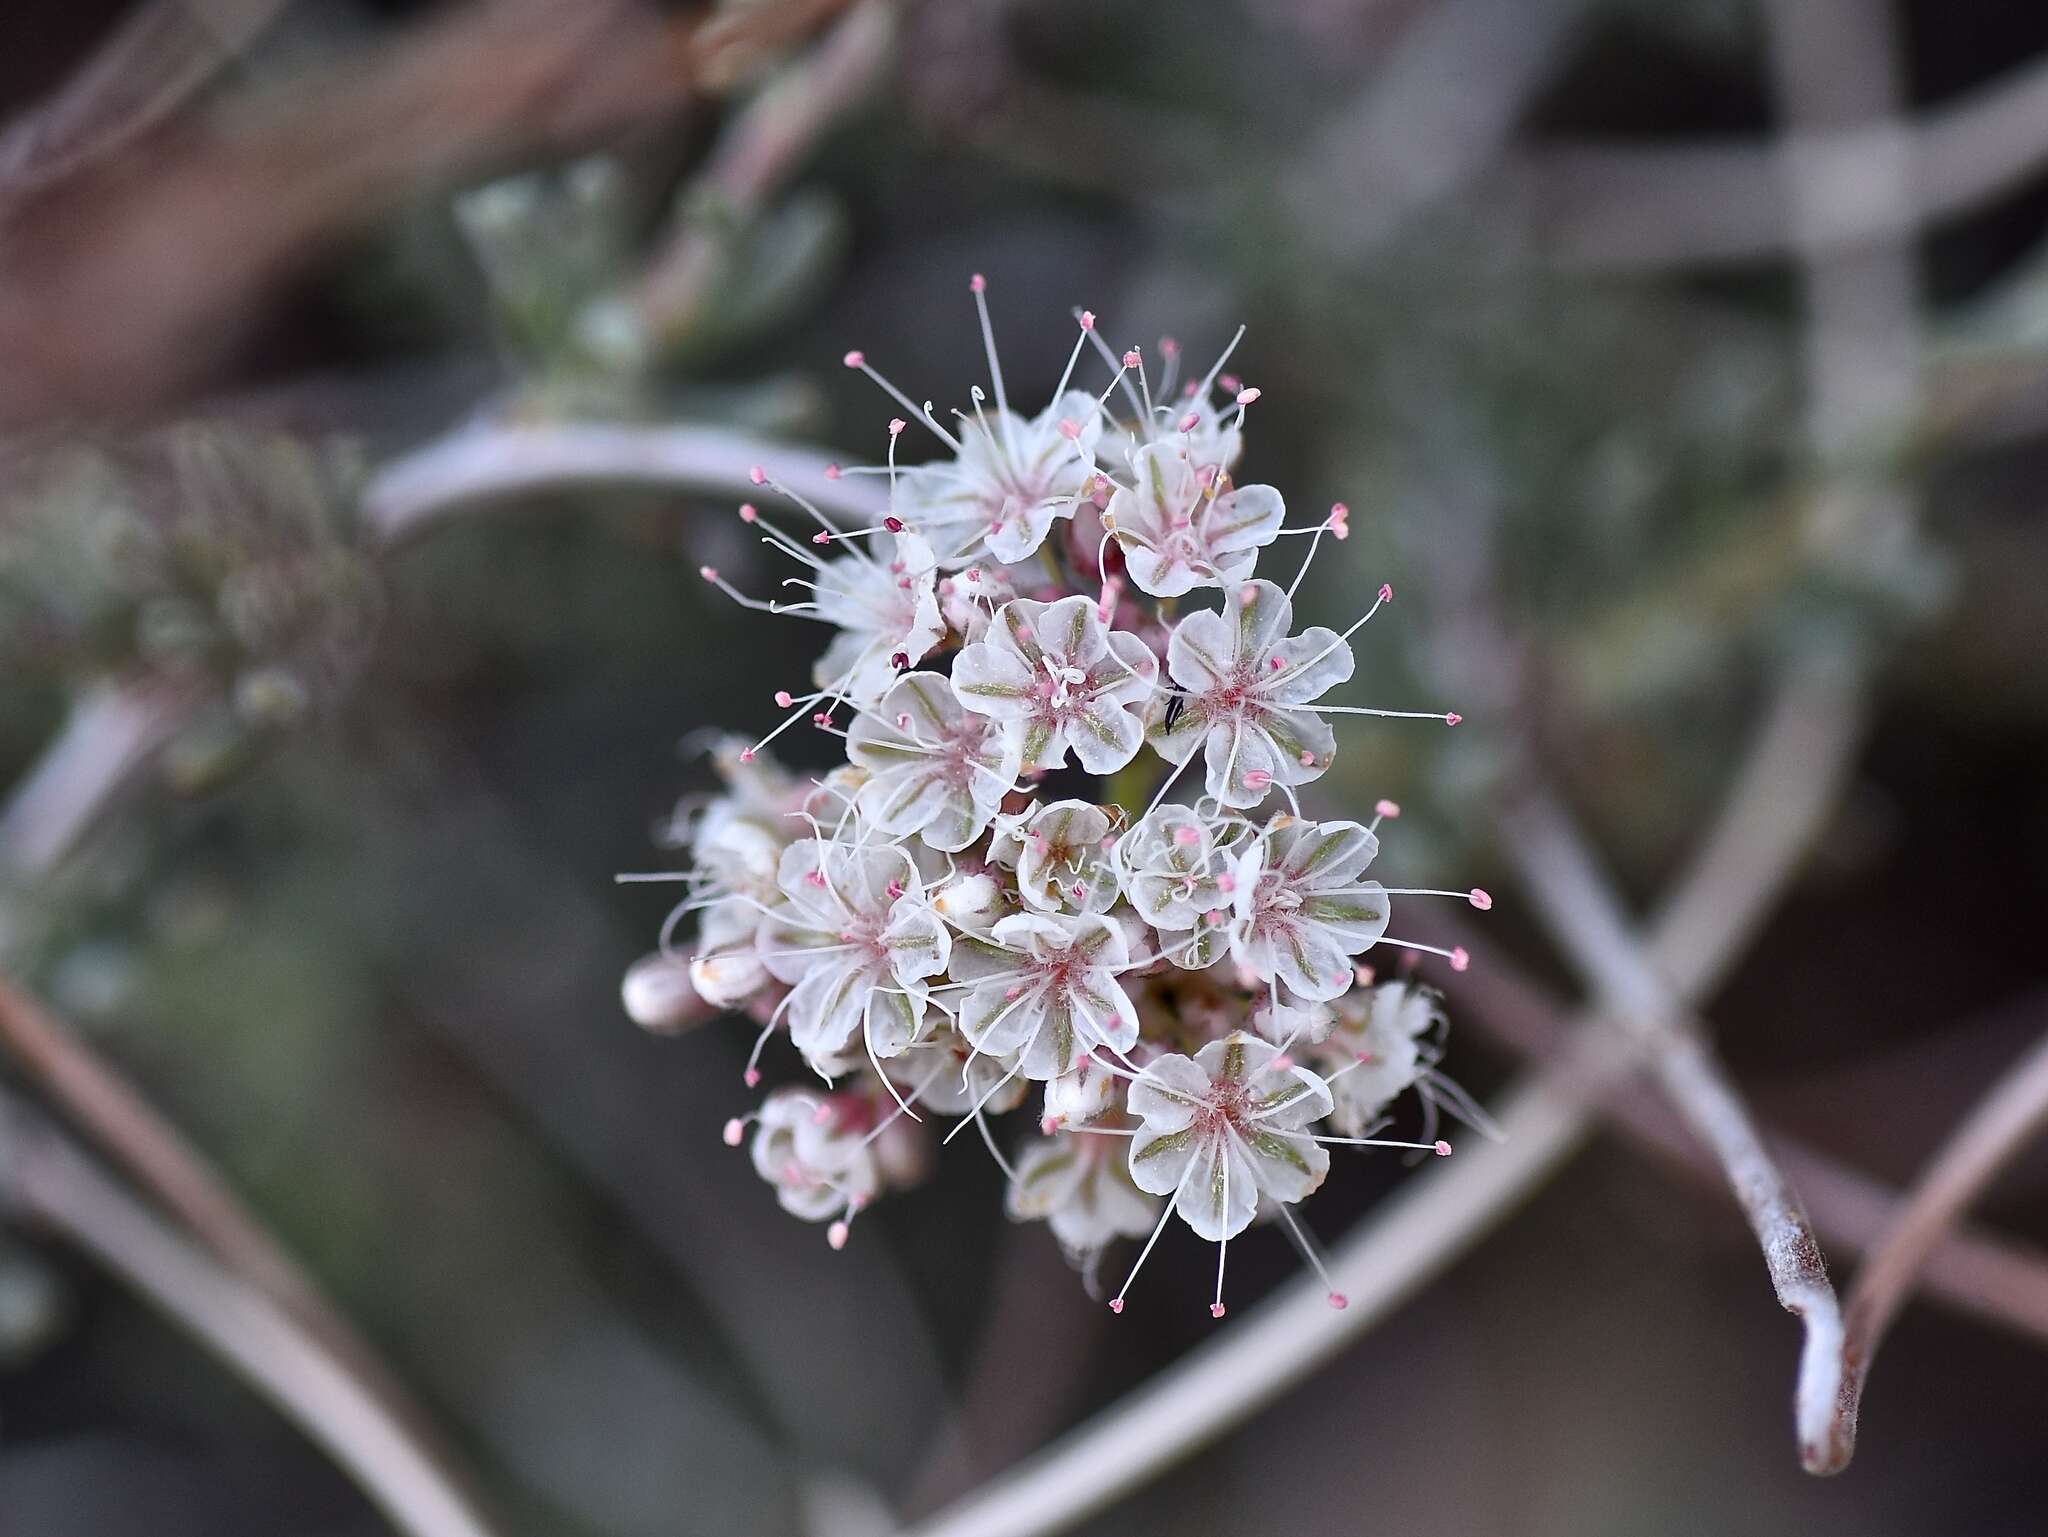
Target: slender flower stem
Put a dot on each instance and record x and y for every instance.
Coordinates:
(48, 1180)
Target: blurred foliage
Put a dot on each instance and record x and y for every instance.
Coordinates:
(202, 556)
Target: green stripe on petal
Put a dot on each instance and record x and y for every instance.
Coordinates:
(1172, 1142)
(1280, 1150)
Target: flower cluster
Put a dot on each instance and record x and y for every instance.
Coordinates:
(1015, 889)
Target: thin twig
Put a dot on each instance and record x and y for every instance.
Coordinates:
(1705, 203)
(486, 462)
(754, 156)
(1577, 904)
(1992, 1278)
(46, 1179)
(150, 1149)
(96, 1096)
(2015, 1111)
(121, 285)
(158, 60)
(1836, 66)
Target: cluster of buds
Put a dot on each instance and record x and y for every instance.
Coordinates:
(961, 919)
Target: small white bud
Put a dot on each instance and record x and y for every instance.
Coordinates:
(658, 995)
(972, 901)
(727, 978)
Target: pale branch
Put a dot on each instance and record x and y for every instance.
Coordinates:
(1699, 204)
(1694, 1080)
(487, 462)
(1996, 1279)
(157, 61)
(1434, 115)
(112, 732)
(1836, 65)
(2005, 1120)
(121, 1121)
(1575, 901)
(46, 1180)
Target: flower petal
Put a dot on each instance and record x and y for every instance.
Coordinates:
(1168, 1092)
(1219, 1195)
(1311, 664)
(1000, 1018)
(825, 1009)
(1285, 1165)
(893, 1018)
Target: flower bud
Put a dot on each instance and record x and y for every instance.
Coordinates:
(724, 978)
(1078, 1097)
(971, 901)
(658, 994)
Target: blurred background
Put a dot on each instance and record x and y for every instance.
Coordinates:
(1669, 356)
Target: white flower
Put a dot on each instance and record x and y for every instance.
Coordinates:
(1385, 1034)
(1302, 910)
(1224, 1128)
(1079, 1183)
(1209, 435)
(887, 609)
(1200, 946)
(1046, 988)
(945, 1074)
(857, 938)
(736, 839)
(812, 1148)
(1173, 873)
(1062, 859)
(1181, 527)
(1245, 681)
(934, 768)
(1079, 951)
(1282, 1023)
(1057, 677)
(969, 598)
(1078, 1097)
(1007, 483)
